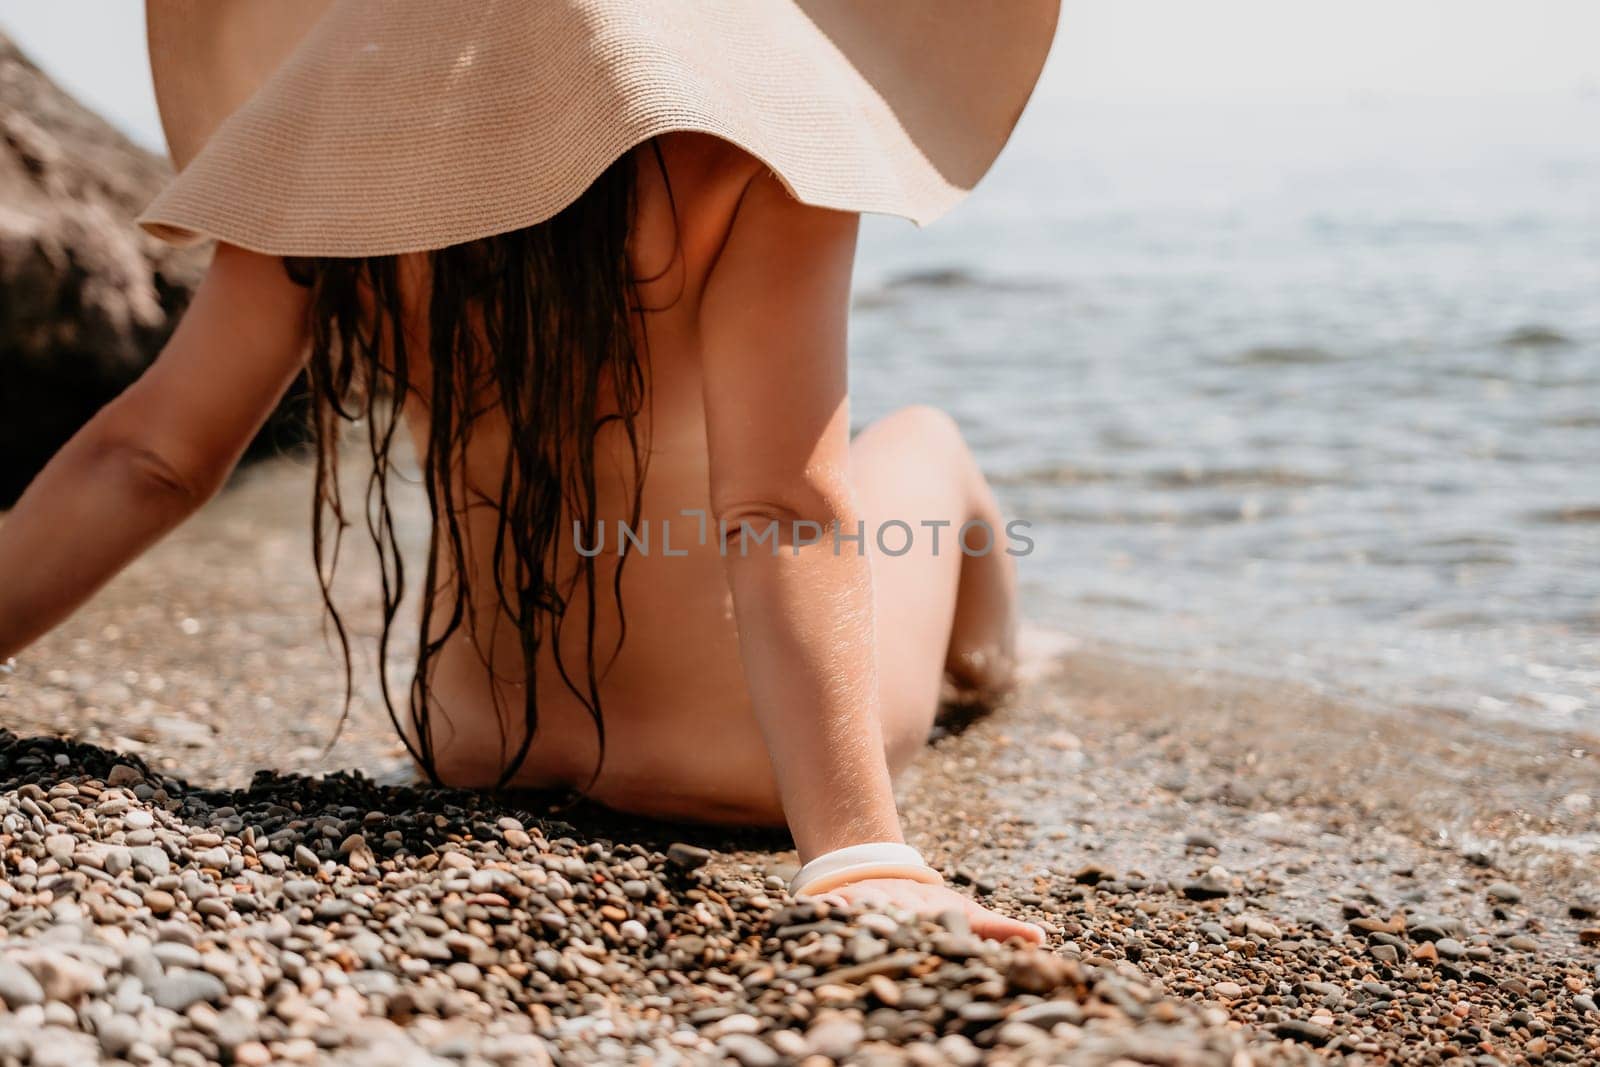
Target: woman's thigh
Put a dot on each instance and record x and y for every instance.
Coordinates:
(911, 477)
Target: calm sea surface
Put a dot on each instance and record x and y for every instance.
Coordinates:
(1308, 389)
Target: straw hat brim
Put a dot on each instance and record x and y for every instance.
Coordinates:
(358, 127)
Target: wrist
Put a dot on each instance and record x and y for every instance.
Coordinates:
(858, 863)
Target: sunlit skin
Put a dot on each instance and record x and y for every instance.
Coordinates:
(754, 686)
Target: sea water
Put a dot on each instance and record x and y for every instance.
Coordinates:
(1307, 388)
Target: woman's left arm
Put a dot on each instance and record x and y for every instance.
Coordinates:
(151, 457)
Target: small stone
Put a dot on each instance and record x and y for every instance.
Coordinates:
(252, 1054)
(1017, 1034)
(176, 954)
(749, 1050)
(218, 859)
(959, 1050)
(332, 909)
(885, 989)
(159, 901)
(737, 1023)
(117, 1033)
(1049, 1013)
(152, 858)
(176, 930)
(63, 978)
(1229, 990)
(464, 975)
(1504, 892)
(1092, 874)
(1299, 1030)
(17, 987)
(1206, 887)
(835, 1036)
(122, 774)
(1036, 971)
(180, 990)
(688, 858)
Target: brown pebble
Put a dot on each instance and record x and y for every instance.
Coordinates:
(885, 989)
(252, 1054)
(1034, 971)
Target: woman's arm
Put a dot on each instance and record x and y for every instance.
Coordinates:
(778, 434)
(778, 430)
(148, 459)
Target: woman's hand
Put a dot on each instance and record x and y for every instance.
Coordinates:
(903, 894)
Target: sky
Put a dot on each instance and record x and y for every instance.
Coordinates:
(1105, 48)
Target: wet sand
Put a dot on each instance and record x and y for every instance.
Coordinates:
(1232, 872)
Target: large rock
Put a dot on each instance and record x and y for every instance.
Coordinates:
(86, 298)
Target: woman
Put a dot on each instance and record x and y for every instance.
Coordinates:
(594, 257)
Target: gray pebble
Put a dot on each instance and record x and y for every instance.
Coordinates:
(1299, 1030)
(152, 858)
(1206, 887)
(298, 889)
(18, 987)
(750, 1051)
(117, 1035)
(688, 857)
(1504, 892)
(180, 990)
(176, 954)
(216, 858)
(835, 1037)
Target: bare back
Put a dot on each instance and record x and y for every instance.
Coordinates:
(652, 690)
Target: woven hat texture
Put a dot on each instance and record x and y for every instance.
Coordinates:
(367, 127)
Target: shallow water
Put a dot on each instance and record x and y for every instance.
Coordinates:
(1307, 389)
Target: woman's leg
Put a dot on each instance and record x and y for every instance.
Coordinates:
(941, 612)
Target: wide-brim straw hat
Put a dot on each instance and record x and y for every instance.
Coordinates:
(369, 127)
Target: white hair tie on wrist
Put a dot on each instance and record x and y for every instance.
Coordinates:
(857, 863)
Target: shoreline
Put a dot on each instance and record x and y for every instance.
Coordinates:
(1233, 872)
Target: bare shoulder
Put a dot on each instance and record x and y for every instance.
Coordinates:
(702, 164)
(689, 188)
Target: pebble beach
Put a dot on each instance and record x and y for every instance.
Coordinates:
(1230, 873)
(1296, 391)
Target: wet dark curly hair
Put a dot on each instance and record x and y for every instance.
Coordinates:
(538, 323)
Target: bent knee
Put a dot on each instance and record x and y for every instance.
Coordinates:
(925, 422)
(928, 433)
